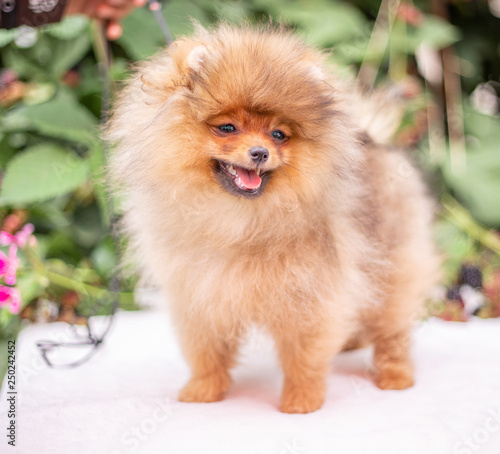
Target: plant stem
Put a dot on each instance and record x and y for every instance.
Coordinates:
(126, 298)
(73, 284)
(459, 216)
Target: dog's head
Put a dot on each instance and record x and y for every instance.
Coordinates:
(247, 111)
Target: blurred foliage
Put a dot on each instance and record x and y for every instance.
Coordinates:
(51, 157)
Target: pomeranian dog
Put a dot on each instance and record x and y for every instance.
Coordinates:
(254, 192)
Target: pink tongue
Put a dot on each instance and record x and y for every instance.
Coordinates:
(249, 178)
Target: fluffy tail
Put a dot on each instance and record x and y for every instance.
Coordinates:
(379, 113)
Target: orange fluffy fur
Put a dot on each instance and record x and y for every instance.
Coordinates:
(334, 252)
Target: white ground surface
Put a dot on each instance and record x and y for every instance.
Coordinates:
(124, 400)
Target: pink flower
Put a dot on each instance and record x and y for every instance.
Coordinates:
(4, 263)
(10, 296)
(9, 265)
(21, 238)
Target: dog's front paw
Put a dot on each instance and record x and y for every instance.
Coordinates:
(210, 388)
(301, 399)
(397, 377)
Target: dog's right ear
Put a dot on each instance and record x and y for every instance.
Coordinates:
(196, 58)
(190, 58)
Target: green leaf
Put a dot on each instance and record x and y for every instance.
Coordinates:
(7, 36)
(48, 59)
(90, 83)
(7, 151)
(40, 173)
(69, 28)
(479, 125)
(67, 53)
(14, 122)
(479, 186)
(48, 216)
(180, 14)
(38, 93)
(60, 243)
(61, 117)
(87, 228)
(27, 63)
(141, 45)
(326, 23)
(104, 258)
(232, 12)
(434, 32)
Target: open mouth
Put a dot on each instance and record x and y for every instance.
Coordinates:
(239, 180)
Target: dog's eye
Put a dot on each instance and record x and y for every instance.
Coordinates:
(228, 128)
(279, 135)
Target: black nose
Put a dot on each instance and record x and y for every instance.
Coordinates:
(259, 154)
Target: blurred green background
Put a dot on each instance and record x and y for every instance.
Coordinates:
(441, 57)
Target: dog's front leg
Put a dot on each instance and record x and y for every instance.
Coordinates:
(210, 352)
(305, 353)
